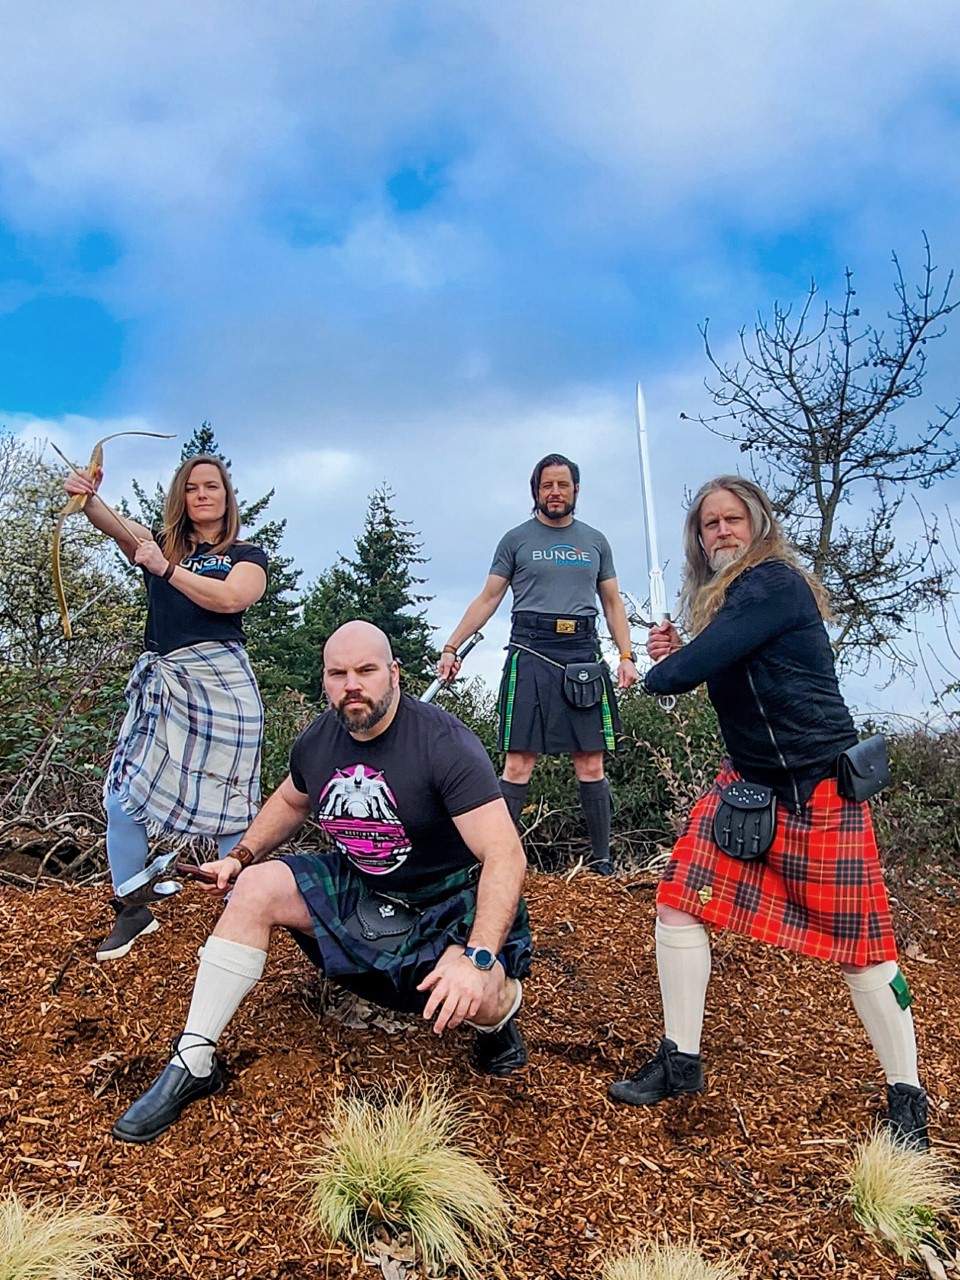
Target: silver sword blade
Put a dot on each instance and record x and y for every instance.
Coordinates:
(658, 593)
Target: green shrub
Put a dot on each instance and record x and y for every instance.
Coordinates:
(899, 1195)
(665, 762)
(918, 816)
(47, 1240)
(655, 1261)
(396, 1163)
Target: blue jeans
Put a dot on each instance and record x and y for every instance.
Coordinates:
(127, 845)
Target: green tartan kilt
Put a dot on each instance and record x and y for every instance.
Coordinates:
(534, 715)
(331, 890)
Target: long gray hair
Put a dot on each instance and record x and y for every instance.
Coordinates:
(703, 591)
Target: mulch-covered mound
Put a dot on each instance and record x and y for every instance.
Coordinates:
(751, 1166)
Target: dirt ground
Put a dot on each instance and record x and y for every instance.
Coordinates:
(753, 1165)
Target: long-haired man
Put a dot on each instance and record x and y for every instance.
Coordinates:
(756, 618)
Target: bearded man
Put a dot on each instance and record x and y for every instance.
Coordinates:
(773, 850)
(556, 696)
(418, 906)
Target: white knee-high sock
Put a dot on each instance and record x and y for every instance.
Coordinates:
(228, 972)
(889, 1027)
(683, 967)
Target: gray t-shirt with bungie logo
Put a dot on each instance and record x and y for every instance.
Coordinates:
(554, 570)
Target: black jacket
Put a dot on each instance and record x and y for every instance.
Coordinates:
(769, 670)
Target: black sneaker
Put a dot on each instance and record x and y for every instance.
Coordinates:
(602, 867)
(131, 923)
(160, 1106)
(498, 1053)
(907, 1116)
(668, 1074)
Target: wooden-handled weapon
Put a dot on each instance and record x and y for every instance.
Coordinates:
(77, 503)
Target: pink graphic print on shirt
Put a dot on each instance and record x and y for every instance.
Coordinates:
(358, 811)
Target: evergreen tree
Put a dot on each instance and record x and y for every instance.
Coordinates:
(379, 585)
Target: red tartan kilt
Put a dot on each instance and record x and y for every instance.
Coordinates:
(818, 890)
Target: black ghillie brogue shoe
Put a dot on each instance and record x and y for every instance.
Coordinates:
(907, 1108)
(498, 1053)
(174, 1088)
(668, 1074)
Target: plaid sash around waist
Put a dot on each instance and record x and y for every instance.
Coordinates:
(188, 758)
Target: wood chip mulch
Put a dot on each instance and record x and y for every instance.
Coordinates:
(751, 1166)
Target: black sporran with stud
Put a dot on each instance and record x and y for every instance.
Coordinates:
(583, 683)
(746, 820)
(381, 922)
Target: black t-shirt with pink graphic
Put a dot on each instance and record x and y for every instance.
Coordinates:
(388, 804)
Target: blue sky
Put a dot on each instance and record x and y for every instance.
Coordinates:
(428, 242)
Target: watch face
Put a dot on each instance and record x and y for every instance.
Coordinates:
(481, 957)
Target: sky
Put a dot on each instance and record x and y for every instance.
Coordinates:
(426, 243)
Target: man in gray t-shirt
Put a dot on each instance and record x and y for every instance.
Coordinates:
(557, 567)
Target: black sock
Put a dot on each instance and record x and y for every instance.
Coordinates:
(515, 794)
(597, 808)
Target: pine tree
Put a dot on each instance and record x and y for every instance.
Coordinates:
(379, 585)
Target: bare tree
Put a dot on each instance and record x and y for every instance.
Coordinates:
(820, 403)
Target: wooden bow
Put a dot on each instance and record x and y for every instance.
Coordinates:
(76, 503)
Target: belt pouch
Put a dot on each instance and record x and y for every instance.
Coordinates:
(746, 820)
(583, 683)
(864, 769)
(381, 922)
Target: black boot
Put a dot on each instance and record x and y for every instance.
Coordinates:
(668, 1074)
(174, 1088)
(131, 923)
(498, 1053)
(907, 1108)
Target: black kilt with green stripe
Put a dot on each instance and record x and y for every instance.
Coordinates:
(534, 714)
(331, 890)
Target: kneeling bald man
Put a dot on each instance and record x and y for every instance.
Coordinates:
(418, 906)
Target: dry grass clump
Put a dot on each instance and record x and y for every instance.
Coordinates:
(656, 1261)
(51, 1240)
(397, 1164)
(898, 1194)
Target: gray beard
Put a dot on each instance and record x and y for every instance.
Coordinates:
(722, 556)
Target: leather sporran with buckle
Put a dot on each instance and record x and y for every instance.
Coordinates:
(583, 684)
(863, 770)
(381, 922)
(746, 820)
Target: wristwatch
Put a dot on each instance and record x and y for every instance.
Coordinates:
(480, 957)
(630, 655)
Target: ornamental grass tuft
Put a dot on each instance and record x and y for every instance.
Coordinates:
(656, 1261)
(398, 1164)
(54, 1240)
(899, 1194)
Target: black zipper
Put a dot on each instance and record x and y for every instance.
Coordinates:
(798, 807)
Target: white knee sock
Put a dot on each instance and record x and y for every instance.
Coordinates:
(889, 1027)
(683, 966)
(228, 971)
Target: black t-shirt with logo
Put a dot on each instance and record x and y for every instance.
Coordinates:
(174, 621)
(388, 804)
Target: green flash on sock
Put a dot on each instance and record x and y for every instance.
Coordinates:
(900, 989)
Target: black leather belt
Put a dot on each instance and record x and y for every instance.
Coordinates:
(556, 624)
